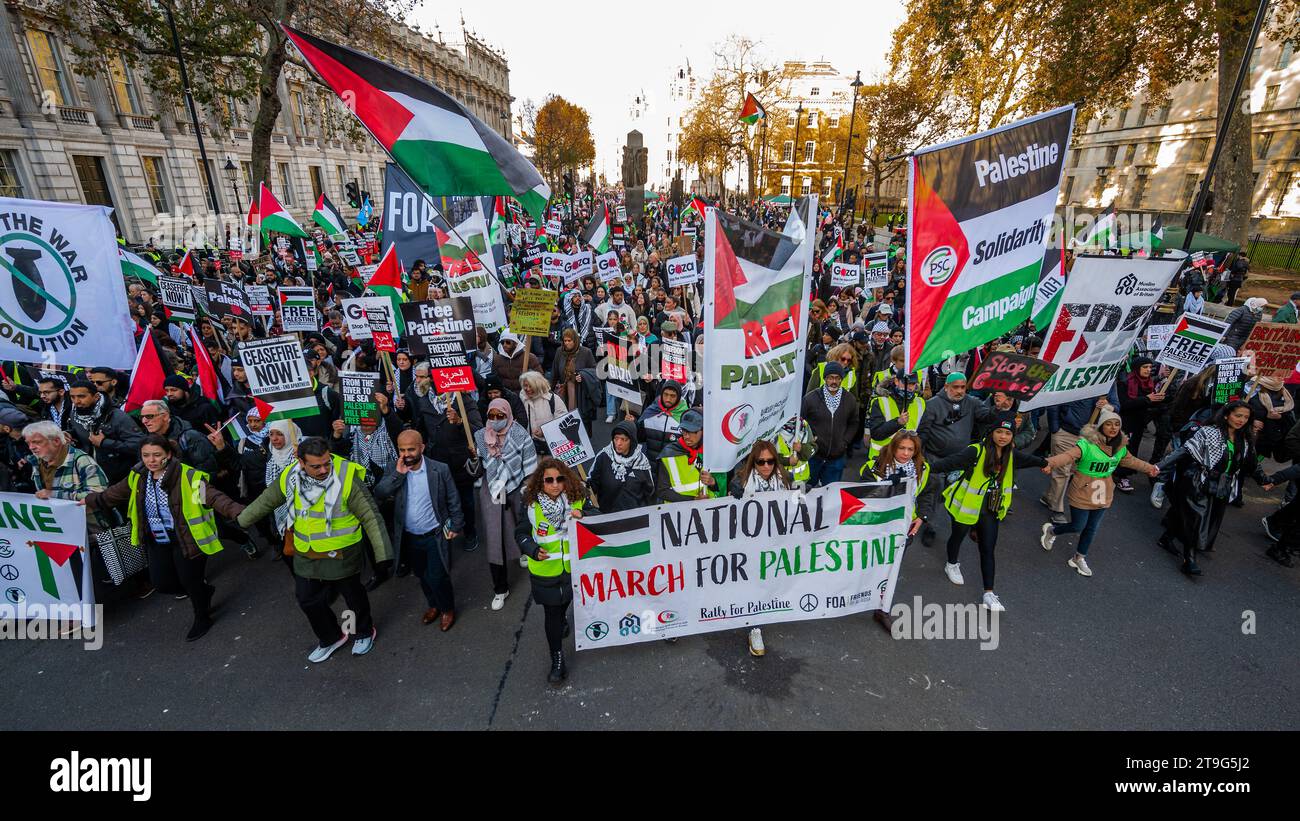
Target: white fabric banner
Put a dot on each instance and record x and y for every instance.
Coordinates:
(38, 538)
(62, 298)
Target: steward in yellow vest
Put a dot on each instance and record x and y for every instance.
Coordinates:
(886, 415)
(679, 473)
(797, 460)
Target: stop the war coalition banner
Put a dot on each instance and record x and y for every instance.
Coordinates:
(1105, 303)
(980, 210)
(721, 564)
(61, 295)
(756, 301)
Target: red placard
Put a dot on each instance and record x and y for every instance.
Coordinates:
(446, 380)
(384, 341)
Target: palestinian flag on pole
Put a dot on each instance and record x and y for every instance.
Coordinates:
(698, 204)
(621, 538)
(254, 218)
(387, 281)
(186, 265)
(134, 265)
(874, 504)
(752, 111)
(146, 376)
(328, 217)
(596, 234)
(835, 251)
(432, 137)
(205, 371)
(979, 216)
(1051, 284)
(275, 218)
(1102, 233)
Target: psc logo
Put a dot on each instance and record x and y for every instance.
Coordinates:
(629, 625)
(41, 297)
(667, 616)
(939, 266)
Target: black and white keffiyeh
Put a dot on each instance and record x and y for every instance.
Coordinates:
(156, 509)
(556, 509)
(86, 420)
(622, 465)
(832, 399)
(1207, 446)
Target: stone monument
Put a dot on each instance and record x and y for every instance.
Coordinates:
(636, 160)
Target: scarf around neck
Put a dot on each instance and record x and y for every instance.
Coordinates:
(556, 510)
(622, 465)
(88, 419)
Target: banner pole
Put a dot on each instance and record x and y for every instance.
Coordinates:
(464, 419)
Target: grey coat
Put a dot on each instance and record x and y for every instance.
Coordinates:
(446, 505)
(946, 430)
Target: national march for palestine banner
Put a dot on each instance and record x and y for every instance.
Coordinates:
(298, 308)
(277, 374)
(722, 564)
(177, 296)
(38, 539)
(1191, 342)
(357, 389)
(61, 295)
(756, 304)
(979, 213)
(1105, 304)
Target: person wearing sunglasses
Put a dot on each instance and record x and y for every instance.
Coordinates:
(763, 471)
(553, 496)
(847, 356)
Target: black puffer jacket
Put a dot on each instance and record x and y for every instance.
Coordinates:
(659, 425)
(635, 489)
(120, 448)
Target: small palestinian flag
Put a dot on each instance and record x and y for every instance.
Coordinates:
(328, 217)
(835, 251)
(275, 218)
(254, 215)
(596, 234)
(431, 136)
(1101, 232)
(752, 111)
(387, 281)
(186, 265)
(134, 265)
(698, 204)
(206, 374)
(873, 504)
(616, 539)
(59, 553)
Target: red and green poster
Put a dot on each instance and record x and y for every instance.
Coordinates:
(980, 214)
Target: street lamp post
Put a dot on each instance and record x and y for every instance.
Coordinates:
(794, 151)
(848, 149)
(189, 102)
(232, 174)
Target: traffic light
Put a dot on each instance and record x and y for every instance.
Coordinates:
(568, 184)
(352, 195)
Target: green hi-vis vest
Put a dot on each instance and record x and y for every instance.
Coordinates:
(316, 529)
(198, 516)
(850, 377)
(965, 498)
(889, 409)
(867, 474)
(802, 470)
(554, 542)
(684, 478)
(1095, 463)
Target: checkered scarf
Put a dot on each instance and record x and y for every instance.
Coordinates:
(832, 399)
(155, 505)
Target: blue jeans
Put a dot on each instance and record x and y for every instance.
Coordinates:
(611, 404)
(1083, 522)
(824, 471)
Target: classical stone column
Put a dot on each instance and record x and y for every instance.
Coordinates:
(11, 69)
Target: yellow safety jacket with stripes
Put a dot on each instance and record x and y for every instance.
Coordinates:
(684, 478)
(890, 409)
(315, 529)
(964, 499)
(554, 542)
(198, 517)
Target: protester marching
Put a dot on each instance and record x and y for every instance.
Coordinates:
(656, 420)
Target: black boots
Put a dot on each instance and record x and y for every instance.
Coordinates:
(558, 671)
(1190, 567)
(1279, 554)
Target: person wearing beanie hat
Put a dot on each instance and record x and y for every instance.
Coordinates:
(832, 413)
(981, 496)
(187, 403)
(1100, 450)
(900, 408)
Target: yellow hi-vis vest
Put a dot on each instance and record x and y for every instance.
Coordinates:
(554, 542)
(850, 377)
(867, 474)
(802, 470)
(198, 516)
(316, 529)
(964, 499)
(889, 409)
(684, 478)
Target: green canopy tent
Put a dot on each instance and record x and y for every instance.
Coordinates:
(1173, 239)
(651, 196)
(778, 199)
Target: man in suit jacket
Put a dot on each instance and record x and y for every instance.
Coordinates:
(426, 517)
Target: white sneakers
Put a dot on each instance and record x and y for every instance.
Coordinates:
(756, 647)
(1080, 564)
(319, 654)
(1048, 538)
(992, 602)
(1158, 495)
(954, 573)
(523, 561)
(499, 600)
(609, 418)
(363, 643)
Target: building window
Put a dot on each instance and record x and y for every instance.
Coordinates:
(670, 156)
(250, 187)
(1121, 117)
(49, 66)
(10, 185)
(1143, 113)
(1201, 150)
(343, 178)
(365, 179)
(826, 188)
(787, 151)
(286, 185)
(153, 180)
(1153, 151)
(1111, 152)
(1139, 191)
(125, 91)
(1074, 157)
(785, 186)
(1263, 144)
(1284, 56)
(1164, 113)
(1190, 182)
(1270, 97)
(1283, 188)
(831, 158)
(317, 184)
(806, 188)
(1254, 58)
(1129, 154)
(812, 119)
(809, 151)
(203, 181)
(815, 91)
(833, 121)
(299, 113)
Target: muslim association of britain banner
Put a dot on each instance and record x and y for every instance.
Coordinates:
(980, 212)
(61, 295)
(721, 564)
(756, 284)
(39, 539)
(1105, 303)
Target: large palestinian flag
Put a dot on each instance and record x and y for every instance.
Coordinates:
(134, 265)
(275, 218)
(436, 140)
(752, 111)
(596, 234)
(979, 215)
(754, 330)
(328, 217)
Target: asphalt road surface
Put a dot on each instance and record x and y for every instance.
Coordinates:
(1137, 646)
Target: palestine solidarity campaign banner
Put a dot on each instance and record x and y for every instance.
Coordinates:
(721, 564)
(980, 212)
(1105, 303)
(755, 282)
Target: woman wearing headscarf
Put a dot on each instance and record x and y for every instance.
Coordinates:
(282, 437)
(1242, 321)
(158, 320)
(621, 476)
(1206, 473)
(503, 459)
(1274, 406)
(566, 376)
(578, 316)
